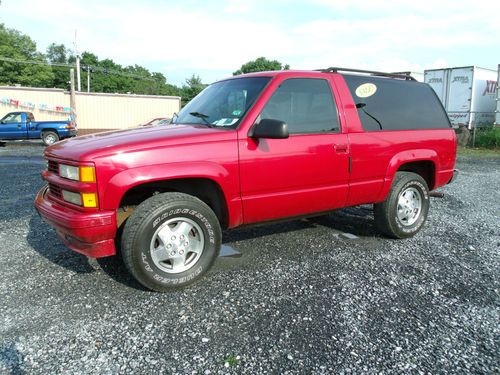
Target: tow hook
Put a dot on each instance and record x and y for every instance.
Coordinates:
(436, 194)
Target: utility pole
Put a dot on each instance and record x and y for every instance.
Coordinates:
(72, 98)
(88, 78)
(79, 83)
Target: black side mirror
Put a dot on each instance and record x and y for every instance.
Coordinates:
(269, 128)
(360, 105)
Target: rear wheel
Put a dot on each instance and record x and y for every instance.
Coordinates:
(49, 137)
(404, 211)
(170, 241)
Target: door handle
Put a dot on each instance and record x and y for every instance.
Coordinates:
(341, 149)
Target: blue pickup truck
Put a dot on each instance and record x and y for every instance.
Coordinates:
(22, 125)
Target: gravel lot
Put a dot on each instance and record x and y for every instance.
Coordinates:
(302, 298)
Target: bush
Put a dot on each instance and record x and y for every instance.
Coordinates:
(488, 138)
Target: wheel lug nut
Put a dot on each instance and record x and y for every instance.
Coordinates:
(182, 237)
(186, 243)
(173, 238)
(172, 253)
(169, 246)
(181, 252)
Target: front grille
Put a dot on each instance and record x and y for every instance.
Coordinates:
(53, 166)
(55, 191)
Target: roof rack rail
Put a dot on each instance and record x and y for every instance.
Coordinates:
(405, 76)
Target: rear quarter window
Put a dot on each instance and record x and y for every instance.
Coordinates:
(394, 104)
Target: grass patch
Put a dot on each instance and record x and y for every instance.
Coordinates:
(488, 138)
(479, 152)
(232, 360)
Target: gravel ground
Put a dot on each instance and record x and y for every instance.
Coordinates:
(302, 298)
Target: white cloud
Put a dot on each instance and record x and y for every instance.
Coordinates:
(406, 35)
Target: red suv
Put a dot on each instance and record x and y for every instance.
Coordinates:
(250, 149)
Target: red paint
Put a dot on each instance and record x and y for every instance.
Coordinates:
(261, 180)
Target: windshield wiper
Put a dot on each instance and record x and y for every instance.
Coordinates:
(202, 116)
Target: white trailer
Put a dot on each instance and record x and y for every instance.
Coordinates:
(468, 94)
(497, 112)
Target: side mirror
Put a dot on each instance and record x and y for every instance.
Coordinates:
(360, 105)
(269, 128)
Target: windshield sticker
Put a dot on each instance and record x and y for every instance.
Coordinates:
(366, 90)
(225, 121)
(236, 113)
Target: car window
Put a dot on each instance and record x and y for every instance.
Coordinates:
(305, 104)
(390, 104)
(12, 118)
(224, 103)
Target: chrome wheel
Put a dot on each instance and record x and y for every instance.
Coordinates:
(50, 139)
(177, 245)
(409, 206)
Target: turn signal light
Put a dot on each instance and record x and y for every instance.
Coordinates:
(89, 200)
(87, 174)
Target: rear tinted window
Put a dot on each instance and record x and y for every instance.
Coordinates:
(393, 104)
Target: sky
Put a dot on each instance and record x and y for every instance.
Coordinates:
(214, 38)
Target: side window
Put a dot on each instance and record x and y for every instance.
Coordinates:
(393, 104)
(305, 104)
(12, 119)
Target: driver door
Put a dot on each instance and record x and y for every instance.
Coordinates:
(306, 173)
(12, 127)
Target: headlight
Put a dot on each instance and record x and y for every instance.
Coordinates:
(88, 200)
(69, 171)
(83, 173)
(71, 197)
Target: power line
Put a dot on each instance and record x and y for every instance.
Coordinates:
(93, 68)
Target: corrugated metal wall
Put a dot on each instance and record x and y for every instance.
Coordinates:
(95, 111)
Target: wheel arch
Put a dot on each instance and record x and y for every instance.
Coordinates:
(424, 162)
(211, 184)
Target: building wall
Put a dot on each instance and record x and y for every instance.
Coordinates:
(95, 111)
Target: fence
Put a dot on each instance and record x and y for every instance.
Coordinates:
(95, 111)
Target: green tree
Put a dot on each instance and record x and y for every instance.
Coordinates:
(261, 64)
(191, 88)
(59, 54)
(19, 47)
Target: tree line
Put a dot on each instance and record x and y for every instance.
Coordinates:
(22, 64)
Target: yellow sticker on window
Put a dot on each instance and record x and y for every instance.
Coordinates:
(366, 90)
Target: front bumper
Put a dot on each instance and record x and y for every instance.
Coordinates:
(88, 233)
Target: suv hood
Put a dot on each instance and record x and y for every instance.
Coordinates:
(94, 146)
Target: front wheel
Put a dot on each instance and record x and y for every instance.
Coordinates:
(170, 241)
(404, 211)
(49, 137)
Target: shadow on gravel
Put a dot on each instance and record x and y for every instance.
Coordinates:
(115, 268)
(354, 220)
(11, 359)
(46, 243)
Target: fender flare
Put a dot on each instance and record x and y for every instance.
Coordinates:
(125, 180)
(404, 157)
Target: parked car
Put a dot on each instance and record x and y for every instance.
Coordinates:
(22, 125)
(157, 121)
(250, 149)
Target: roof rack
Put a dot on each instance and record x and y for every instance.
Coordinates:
(405, 76)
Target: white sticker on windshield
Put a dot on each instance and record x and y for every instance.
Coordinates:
(366, 90)
(225, 121)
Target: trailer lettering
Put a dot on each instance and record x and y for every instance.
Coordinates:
(461, 79)
(491, 88)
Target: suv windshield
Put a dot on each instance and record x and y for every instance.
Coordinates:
(222, 104)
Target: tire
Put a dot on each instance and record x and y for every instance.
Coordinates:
(404, 211)
(170, 241)
(49, 137)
